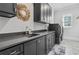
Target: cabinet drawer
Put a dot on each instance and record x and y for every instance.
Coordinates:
(16, 50)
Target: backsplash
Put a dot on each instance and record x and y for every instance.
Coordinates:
(15, 25)
(39, 26)
(3, 22)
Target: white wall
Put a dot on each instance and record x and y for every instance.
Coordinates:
(73, 32)
(3, 22)
(16, 25)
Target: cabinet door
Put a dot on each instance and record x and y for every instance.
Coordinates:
(37, 12)
(15, 50)
(41, 46)
(30, 48)
(52, 39)
(48, 43)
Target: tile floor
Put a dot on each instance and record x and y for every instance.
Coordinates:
(71, 47)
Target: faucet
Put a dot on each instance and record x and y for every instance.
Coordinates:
(28, 30)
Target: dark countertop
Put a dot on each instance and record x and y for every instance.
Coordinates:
(6, 42)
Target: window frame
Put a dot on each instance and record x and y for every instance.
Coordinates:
(68, 15)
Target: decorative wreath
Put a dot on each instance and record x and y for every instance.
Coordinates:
(22, 12)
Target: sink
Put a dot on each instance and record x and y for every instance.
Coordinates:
(32, 35)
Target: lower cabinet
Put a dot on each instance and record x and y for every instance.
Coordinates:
(52, 39)
(49, 42)
(38, 46)
(41, 45)
(35, 47)
(16, 50)
(30, 48)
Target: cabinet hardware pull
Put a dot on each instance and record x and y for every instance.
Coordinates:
(13, 53)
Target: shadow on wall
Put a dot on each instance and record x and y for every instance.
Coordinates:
(3, 22)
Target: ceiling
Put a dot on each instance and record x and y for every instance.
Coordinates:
(58, 6)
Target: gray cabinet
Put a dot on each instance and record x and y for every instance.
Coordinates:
(49, 42)
(52, 39)
(41, 46)
(16, 50)
(37, 12)
(7, 10)
(30, 48)
(37, 46)
(42, 12)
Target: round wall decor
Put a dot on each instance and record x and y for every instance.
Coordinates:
(22, 12)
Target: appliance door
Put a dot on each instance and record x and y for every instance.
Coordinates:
(58, 32)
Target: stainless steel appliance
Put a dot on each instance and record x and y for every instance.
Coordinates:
(58, 32)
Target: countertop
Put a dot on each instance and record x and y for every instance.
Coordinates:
(6, 42)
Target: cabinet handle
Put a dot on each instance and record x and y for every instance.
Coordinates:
(17, 53)
(13, 52)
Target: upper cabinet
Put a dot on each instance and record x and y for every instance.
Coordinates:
(42, 12)
(7, 9)
(37, 12)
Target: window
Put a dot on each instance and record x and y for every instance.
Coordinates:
(67, 21)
